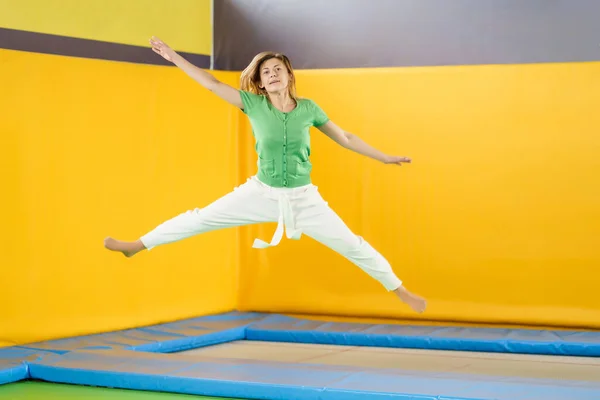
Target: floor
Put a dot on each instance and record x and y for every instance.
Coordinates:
(52, 391)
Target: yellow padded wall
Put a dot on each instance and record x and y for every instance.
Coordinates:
(94, 148)
(496, 220)
(186, 24)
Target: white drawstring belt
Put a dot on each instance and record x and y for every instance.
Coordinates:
(285, 220)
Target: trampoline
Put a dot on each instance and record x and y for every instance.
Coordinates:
(270, 356)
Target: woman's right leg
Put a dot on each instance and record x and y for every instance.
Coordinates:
(243, 206)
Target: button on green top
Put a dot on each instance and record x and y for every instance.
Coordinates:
(282, 139)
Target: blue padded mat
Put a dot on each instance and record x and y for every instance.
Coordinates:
(275, 380)
(167, 337)
(11, 372)
(13, 363)
(137, 359)
(20, 354)
(279, 328)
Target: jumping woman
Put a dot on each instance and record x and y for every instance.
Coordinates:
(281, 191)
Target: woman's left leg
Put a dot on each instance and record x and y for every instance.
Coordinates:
(317, 220)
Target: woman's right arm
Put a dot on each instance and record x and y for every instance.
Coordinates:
(204, 78)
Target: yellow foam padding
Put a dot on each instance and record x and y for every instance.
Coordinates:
(185, 24)
(94, 148)
(496, 219)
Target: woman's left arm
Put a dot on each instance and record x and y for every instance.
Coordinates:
(356, 144)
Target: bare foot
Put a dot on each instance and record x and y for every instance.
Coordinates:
(417, 303)
(128, 249)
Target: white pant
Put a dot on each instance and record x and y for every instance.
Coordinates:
(298, 210)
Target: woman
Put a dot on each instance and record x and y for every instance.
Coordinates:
(281, 190)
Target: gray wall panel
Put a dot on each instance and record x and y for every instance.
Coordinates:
(379, 33)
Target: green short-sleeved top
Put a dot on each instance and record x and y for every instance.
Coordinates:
(282, 139)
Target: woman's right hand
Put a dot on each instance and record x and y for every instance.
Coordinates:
(204, 78)
(161, 48)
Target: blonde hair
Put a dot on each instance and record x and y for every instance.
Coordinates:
(250, 79)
